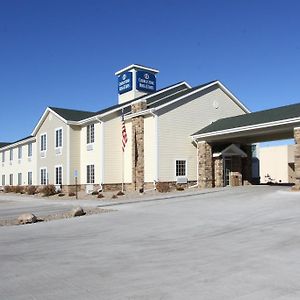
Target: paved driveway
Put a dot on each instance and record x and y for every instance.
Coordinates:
(239, 243)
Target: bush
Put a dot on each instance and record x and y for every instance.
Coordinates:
(31, 190)
(18, 189)
(94, 193)
(114, 196)
(100, 195)
(48, 190)
(7, 189)
(179, 188)
(120, 193)
(162, 187)
(61, 194)
(72, 194)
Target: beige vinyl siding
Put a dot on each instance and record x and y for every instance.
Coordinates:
(176, 126)
(149, 148)
(113, 152)
(90, 154)
(23, 165)
(52, 159)
(75, 135)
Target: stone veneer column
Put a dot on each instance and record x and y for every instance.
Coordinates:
(205, 168)
(138, 145)
(219, 176)
(297, 157)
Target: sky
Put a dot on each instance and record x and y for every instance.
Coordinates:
(64, 53)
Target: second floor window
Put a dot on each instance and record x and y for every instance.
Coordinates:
(90, 134)
(58, 138)
(3, 156)
(20, 152)
(29, 149)
(43, 142)
(11, 154)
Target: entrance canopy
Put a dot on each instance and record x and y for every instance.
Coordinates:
(266, 125)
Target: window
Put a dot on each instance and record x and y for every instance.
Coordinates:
(3, 180)
(19, 152)
(180, 167)
(29, 175)
(19, 178)
(43, 142)
(29, 149)
(11, 179)
(58, 175)
(11, 154)
(43, 176)
(90, 174)
(3, 156)
(58, 138)
(90, 134)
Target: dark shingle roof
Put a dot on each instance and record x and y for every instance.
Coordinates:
(259, 117)
(72, 114)
(3, 144)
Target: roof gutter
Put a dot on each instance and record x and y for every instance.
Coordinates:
(31, 139)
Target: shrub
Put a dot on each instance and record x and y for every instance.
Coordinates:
(179, 188)
(120, 193)
(61, 194)
(162, 187)
(48, 190)
(114, 196)
(100, 195)
(94, 193)
(18, 189)
(31, 190)
(7, 189)
(72, 194)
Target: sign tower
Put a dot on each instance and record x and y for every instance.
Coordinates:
(135, 81)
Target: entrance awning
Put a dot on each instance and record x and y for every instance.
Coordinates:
(267, 125)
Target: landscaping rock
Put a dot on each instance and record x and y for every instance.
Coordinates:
(27, 218)
(78, 211)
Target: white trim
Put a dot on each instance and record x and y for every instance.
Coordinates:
(138, 67)
(203, 88)
(248, 127)
(101, 152)
(156, 149)
(186, 168)
(14, 145)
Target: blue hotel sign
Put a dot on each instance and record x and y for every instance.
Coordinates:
(145, 81)
(125, 82)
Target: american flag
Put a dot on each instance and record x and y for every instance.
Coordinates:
(124, 134)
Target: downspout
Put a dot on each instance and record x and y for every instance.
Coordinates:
(101, 122)
(197, 184)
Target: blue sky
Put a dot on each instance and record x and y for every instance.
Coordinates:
(64, 53)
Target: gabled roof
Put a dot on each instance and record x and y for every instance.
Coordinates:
(255, 118)
(4, 145)
(72, 114)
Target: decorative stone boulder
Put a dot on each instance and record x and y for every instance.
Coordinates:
(77, 211)
(27, 218)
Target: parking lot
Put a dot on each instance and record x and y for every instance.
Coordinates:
(231, 243)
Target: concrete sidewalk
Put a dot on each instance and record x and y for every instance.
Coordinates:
(241, 243)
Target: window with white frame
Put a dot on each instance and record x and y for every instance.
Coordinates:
(43, 178)
(29, 178)
(44, 142)
(58, 138)
(90, 134)
(11, 179)
(3, 156)
(29, 149)
(19, 178)
(11, 154)
(19, 152)
(90, 171)
(3, 180)
(58, 175)
(180, 168)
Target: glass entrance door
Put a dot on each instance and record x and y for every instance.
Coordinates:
(227, 170)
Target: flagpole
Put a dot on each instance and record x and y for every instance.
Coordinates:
(123, 171)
